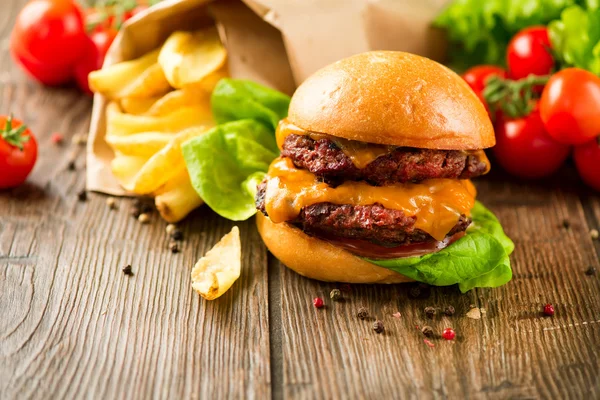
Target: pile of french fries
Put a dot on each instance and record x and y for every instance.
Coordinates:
(157, 102)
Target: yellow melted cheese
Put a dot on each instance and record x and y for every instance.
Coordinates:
(437, 203)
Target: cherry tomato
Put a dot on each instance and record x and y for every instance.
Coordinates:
(570, 106)
(476, 77)
(587, 160)
(524, 149)
(48, 38)
(529, 53)
(18, 152)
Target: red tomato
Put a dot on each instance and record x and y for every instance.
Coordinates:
(93, 57)
(529, 52)
(477, 77)
(570, 106)
(48, 38)
(524, 149)
(587, 160)
(18, 152)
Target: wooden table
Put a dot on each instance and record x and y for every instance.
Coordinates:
(72, 325)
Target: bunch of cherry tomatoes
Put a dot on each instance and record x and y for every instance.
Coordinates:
(559, 113)
(57, 42)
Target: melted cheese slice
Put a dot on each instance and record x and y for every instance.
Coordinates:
(437, 203)
(360, 153)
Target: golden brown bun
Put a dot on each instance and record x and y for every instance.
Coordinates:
(393, 98)
(320, 260)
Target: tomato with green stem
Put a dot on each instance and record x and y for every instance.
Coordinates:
(477, 78)
(587, 161)
(18, 152)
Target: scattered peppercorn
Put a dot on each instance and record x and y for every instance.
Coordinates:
(591, 271)
(79, 139)
(144, 218)
(449, 334)
(127, 270)
(174, 247)
(449, 311)
(362, 313)
(430, 312)
(111, 203)
(378, 326)
(427, 331)
(170, 228)
(82, 196)
(135, 212)
(415, 292)
(335, 294)
(71, 165)
(177, 234)
(146, 208)
(397, 315)
(566, 224)
(56, 138)
(318, 302)
(549, 310)
(594, 234)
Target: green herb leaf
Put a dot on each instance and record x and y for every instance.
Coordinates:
(479, 259)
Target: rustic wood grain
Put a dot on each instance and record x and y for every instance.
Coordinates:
(72, 324)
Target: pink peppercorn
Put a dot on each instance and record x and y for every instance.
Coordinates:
(56, 138)
(549, 310)
(449, 334)
(318, 302)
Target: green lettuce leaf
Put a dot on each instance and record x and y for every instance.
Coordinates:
(226, 164)
(479, 259)
(479, 30)
(575, 38)
(235, 99)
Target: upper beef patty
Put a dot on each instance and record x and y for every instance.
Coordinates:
(374, 223)
(404, 164)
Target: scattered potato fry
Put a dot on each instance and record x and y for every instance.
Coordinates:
(141, 144)
(118, 123)
(111, 80)
(125, 168)
(152, 82)
(177, 198)
(210, 81)
(214, 273)
(189, 57)
(137, 105)
(178, 99)
(164, 165)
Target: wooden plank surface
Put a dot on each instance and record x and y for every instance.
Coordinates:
(72, 325)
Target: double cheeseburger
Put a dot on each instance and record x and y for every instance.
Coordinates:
(376, 159)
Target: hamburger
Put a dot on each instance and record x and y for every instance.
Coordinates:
(373, 184)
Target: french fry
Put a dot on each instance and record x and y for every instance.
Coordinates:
(125, 168)
(177, 198)
(150, 83)
(210, 81)
(188, 57)
(216, 272)
(118, 123)
(141, 144)
(137, 105)
(111, 80)
(178, 99)
(162, 166)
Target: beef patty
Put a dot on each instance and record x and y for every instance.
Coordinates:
(327, 161)
(375, 223)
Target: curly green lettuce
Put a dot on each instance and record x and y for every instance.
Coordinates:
(478, 259)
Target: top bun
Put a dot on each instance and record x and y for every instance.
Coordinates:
(393, 98)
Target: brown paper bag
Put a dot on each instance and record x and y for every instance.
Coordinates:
(274, 42)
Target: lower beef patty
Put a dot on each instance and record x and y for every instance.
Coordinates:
(374, 223)
(404, 164)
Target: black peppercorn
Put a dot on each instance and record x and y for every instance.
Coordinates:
(135, 212)
(146, 208)
(430, 312)
(449, 311)
(591, 271)
(82, 196)
(566, 224)
(127, 270)
(174, 247)
(427, 331)
(378, 326)
(335, 294)
(71, 165)
(362, 313)
(177, 234)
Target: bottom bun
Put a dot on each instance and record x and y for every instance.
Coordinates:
(320, 260)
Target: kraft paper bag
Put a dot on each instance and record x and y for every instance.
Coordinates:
(277, 43)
